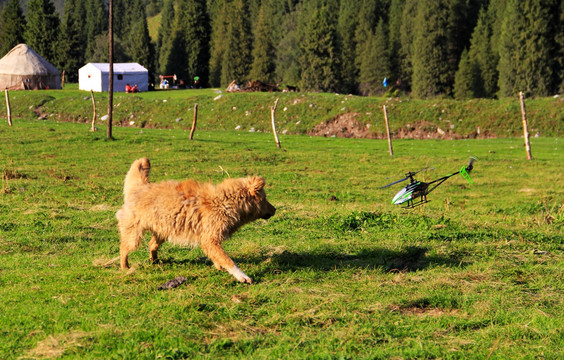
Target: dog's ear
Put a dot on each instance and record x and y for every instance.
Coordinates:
(256, 183)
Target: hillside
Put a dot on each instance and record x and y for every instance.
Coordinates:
(321, 114)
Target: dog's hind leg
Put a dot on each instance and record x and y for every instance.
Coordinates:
(129, 241)
(154, 248)
(222, 261)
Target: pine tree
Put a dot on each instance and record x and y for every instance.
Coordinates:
(346, 29)
(172, 56)
(395, 26)
(100, 52)
(154, 7)
(122, 18)
(12, 25)
(218, 13)
(236, 62)
(165, 28)
(483, 58)
(430, 49)
(407, 35)
(96, 24)
(263, 66)
(196, 29)
(42, 29)
(559, 41)
(464, 79)
(527, 48)
(462, 17)
(319, 60)
(375, 63)
(496, 15)
(71, 51)
(367, 19)
(288, 51)
(140, 49)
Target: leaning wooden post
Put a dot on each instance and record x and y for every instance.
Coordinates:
(525, 127)
(272, 111)
(194, 121)
(388, 131)
(9, 113)
(111, 74)
(93, 128)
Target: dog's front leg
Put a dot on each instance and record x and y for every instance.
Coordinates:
(222, 261)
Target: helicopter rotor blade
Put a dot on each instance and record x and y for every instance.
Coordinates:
(409, 175)
(417, 172)
(395, 182)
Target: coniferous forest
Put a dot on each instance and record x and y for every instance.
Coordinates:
(455, 48)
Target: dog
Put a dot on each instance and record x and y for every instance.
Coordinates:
(188, 213)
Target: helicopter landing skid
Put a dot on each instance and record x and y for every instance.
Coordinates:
(412, 205)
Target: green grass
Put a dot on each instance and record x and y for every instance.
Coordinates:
(339, 272)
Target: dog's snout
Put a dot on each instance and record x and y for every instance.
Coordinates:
(270, 211)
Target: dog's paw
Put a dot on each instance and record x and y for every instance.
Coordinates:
(240, 276)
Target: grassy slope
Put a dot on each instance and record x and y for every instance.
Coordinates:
(153, 24)
(474, 273)
(297, 112)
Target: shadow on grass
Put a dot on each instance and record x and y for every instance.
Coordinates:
(406, 260)
(409, 259)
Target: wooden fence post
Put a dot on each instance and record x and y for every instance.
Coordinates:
(194, 121)
(525, 126)
(9, 113)
(272, 111)
(388, 131)
(93, 128)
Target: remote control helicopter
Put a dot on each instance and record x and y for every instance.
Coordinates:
(415, 193)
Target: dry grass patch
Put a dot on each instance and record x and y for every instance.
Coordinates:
(57, 345)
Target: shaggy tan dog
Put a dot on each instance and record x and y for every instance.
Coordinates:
(188, 213)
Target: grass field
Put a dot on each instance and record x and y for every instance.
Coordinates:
(339, 272)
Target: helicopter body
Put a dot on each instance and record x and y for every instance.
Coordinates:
(410, 192)
(415, 193)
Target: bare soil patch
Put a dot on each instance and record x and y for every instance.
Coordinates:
(343, 125)
(346, 126)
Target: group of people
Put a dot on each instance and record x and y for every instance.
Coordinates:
(131, 89)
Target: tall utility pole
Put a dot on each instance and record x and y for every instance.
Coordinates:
(111, 82)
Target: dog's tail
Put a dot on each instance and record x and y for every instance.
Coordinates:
(137, 175)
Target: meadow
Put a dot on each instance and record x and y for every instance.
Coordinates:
(339, 271)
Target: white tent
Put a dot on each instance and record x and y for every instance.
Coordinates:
(96, 76)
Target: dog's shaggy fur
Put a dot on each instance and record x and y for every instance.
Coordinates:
(188, 213)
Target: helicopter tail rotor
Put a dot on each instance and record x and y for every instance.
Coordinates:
(470, 166)
(465, 171)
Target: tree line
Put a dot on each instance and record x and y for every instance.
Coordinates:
(427, 48)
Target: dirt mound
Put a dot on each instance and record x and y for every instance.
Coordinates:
(344, 125)
(423, 130)
(252, 86)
